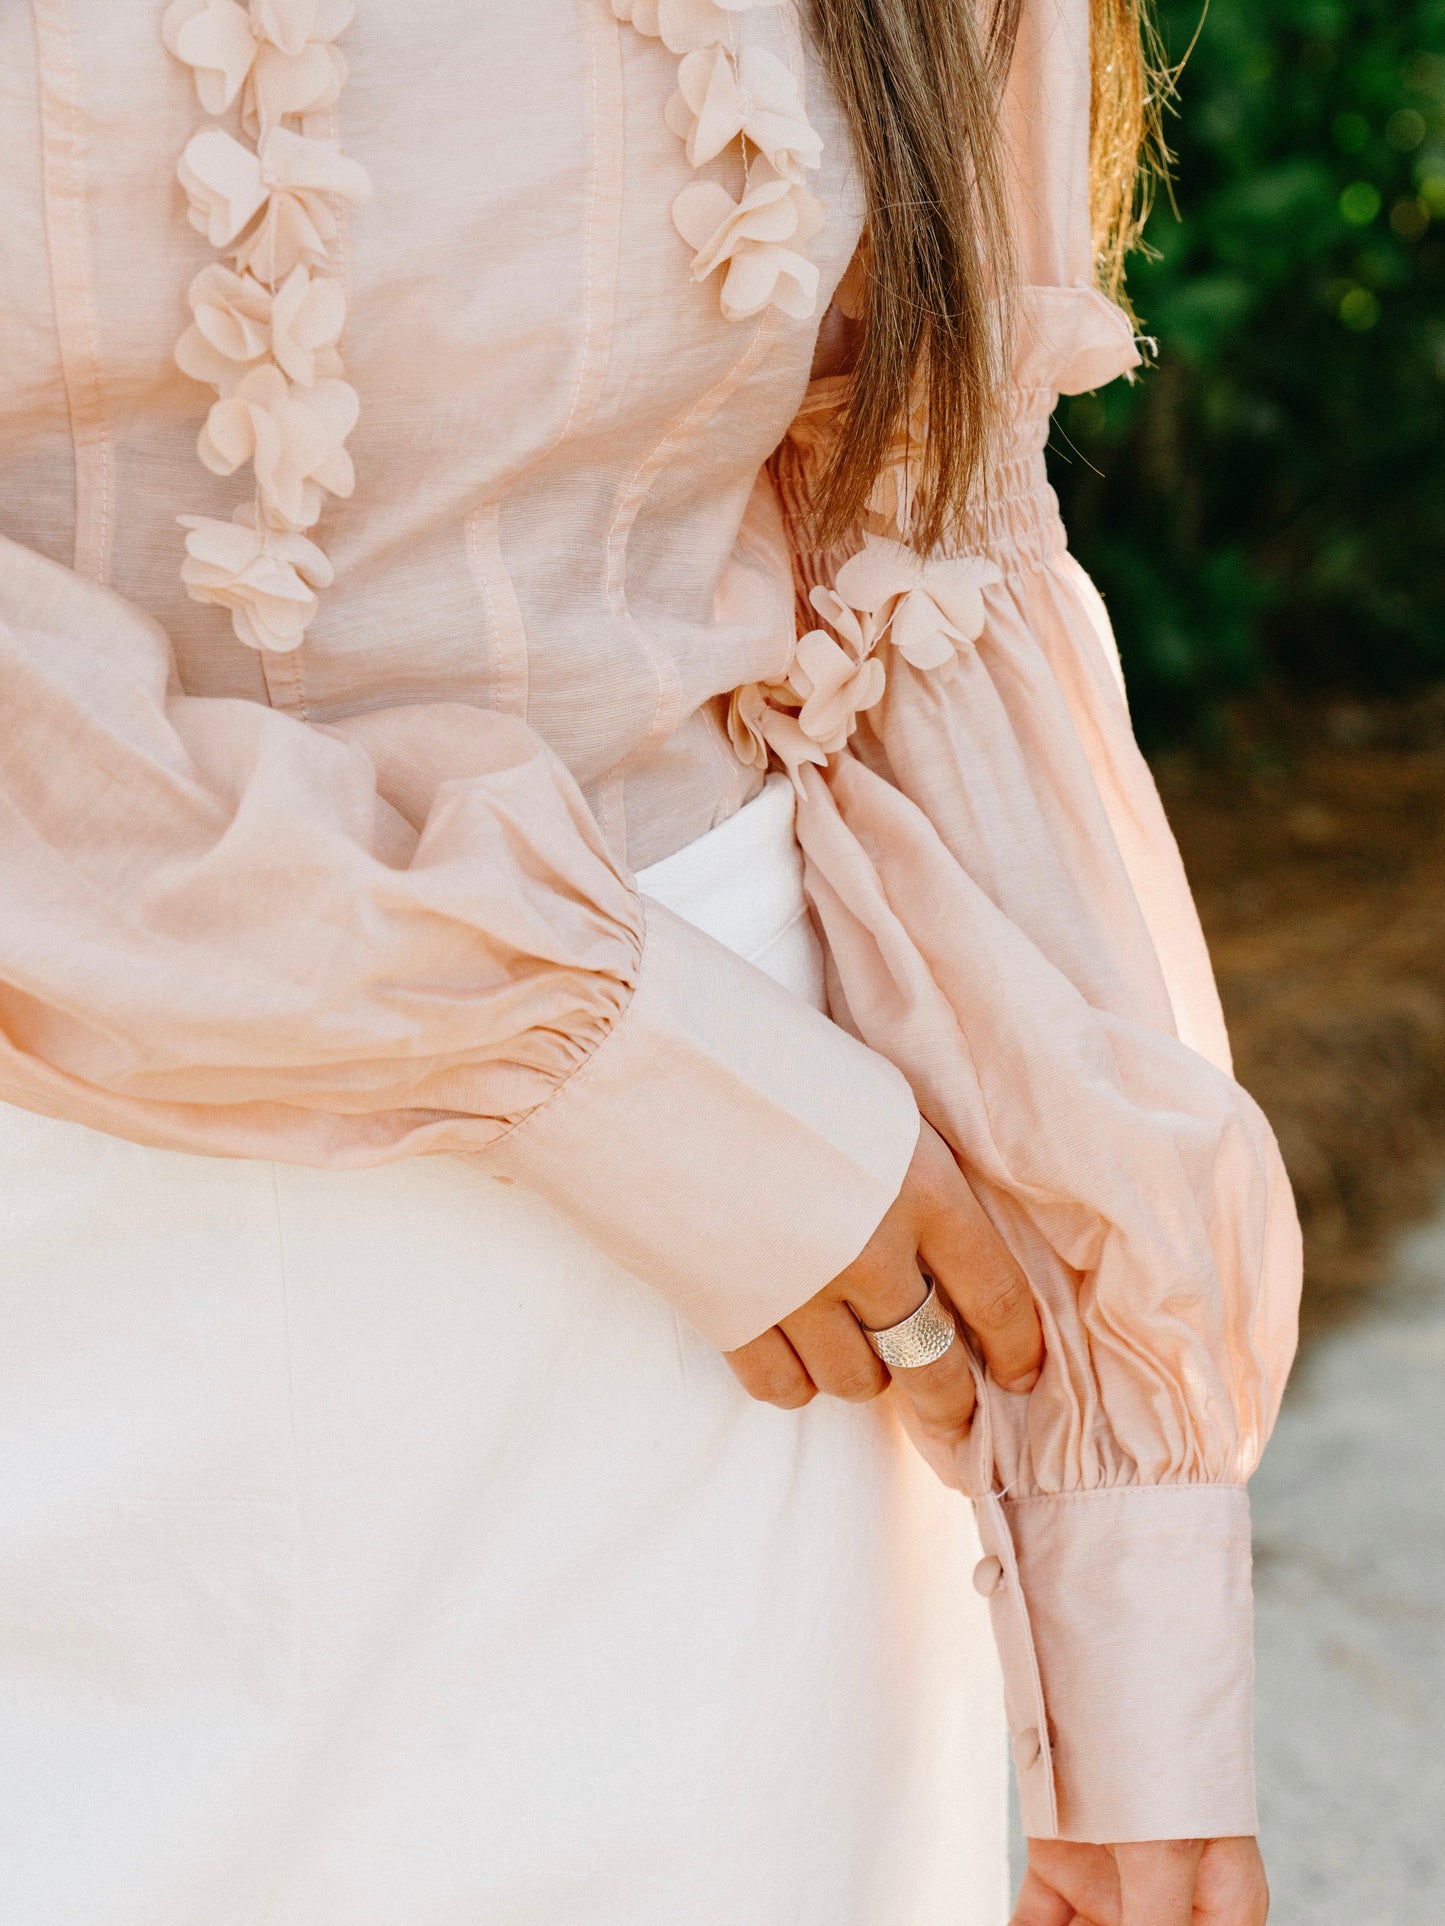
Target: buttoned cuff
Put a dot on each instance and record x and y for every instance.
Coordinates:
(724, 1142)
(1124, 1622)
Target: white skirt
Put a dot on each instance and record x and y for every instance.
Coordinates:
(375, 1553)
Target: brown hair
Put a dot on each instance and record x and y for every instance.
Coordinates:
(920, 82)
(1131, 82)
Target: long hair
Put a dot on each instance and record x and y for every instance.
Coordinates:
(920, 82)
(1131, 81)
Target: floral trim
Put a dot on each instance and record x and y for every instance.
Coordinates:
(748, 102)
(886, 597)
(264, 331)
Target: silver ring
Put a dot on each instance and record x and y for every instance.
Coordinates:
(920, 1339)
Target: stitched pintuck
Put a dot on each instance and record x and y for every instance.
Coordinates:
(741, 100)
(264, 331)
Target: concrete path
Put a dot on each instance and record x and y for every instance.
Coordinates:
(1349, 1510)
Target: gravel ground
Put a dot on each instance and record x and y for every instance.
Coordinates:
(1349, 1510)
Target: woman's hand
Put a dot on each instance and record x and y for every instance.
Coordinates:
(1171, 1882)
(937, 1221)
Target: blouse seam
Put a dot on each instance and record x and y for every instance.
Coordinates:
(510, 675)
(640, 482)
(511, 681)
(72, 287)
(597, 342)
(630, 503)
(284, 673)
(285, 683)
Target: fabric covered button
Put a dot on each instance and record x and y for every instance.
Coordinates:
(987, 1576)
(1026, 1747)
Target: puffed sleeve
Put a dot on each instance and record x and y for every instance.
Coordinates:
(1008, 920)
(223, 930)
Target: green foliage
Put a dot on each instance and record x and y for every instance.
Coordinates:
(1268, 499)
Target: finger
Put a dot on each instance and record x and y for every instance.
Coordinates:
(1086, 1876)
(941, 1393)
(829, 1341)
(1156, 1881)
(1040, 1905)
(987, 1285)
(1230, 1888)
(770, 1370)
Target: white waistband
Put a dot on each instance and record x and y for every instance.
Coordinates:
(742, 884)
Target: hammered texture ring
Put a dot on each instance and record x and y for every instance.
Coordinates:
(920, 1339)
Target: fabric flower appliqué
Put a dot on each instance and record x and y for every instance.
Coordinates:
(294, 438)
(759, 240)
(746, 103)
(238, 320)
(276, 55)
(291, 181)
(835, 688)
(886, 597)
(720, 97)
(685, 25)
(266, 578)
(265, 331)
(810, 713)
(928, 606)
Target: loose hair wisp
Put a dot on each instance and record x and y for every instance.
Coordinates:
(920, 82)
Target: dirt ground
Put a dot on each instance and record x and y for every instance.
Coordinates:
(1316, 845)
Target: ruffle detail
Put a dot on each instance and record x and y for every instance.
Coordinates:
(277, 56)
(810, 714)
(759, 240)
(886, 596)
(929, 609)
(265, 330)
(267, 580)
(1071, 340)
(745, 102)
(883, 599)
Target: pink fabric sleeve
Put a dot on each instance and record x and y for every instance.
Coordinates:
(224, 931)
(1008, 920)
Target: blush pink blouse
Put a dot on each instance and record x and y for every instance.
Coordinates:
(406, 437)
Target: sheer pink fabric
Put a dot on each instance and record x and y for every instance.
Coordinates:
(370, 898)
(1006, 918)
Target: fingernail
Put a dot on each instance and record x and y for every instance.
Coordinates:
(1020, 1385)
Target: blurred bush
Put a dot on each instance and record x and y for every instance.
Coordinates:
(1267, 501)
